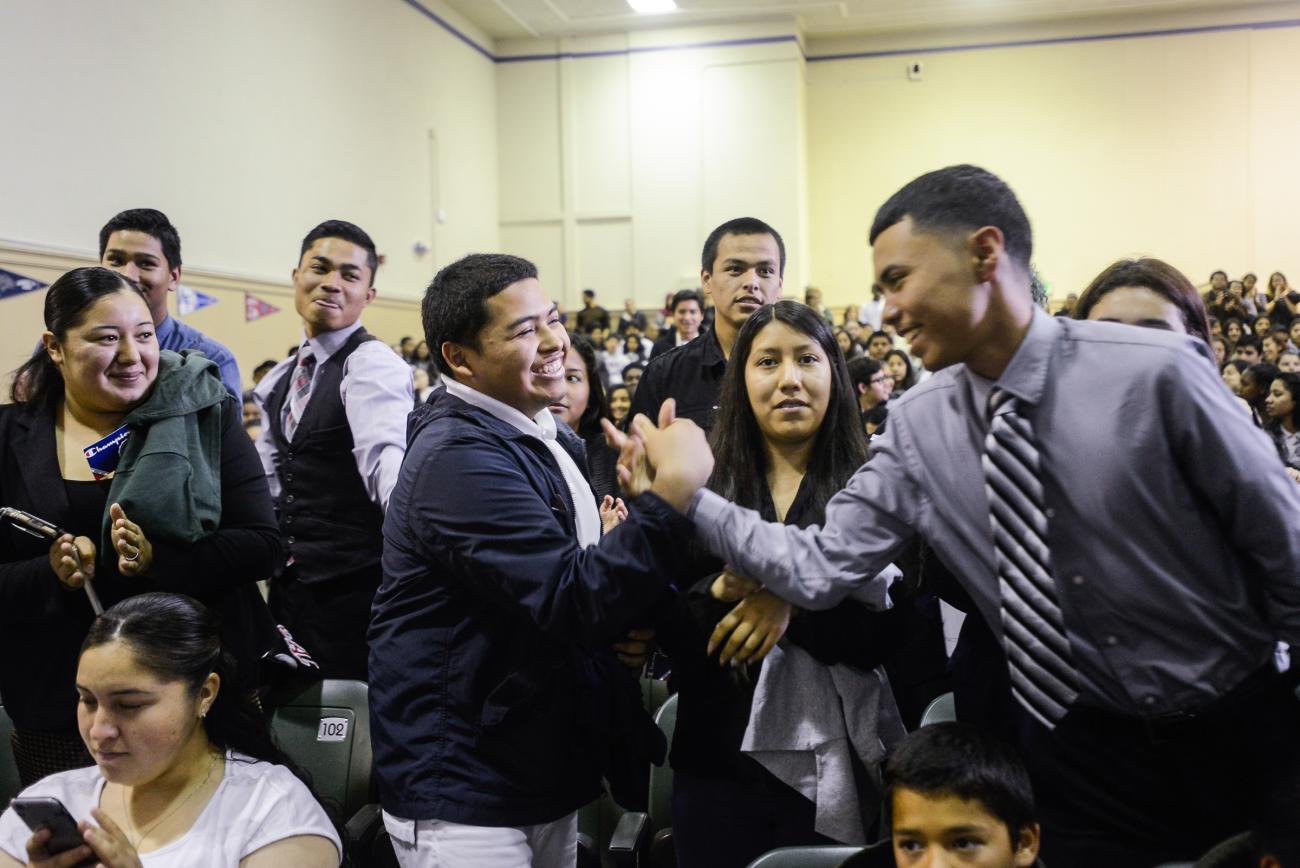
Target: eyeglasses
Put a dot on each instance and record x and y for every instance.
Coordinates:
(881, 378)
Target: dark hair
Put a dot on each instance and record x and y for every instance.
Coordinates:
(628, 340)
(455, 308)
(265, 366)
(589, 293)
(1158, 276)
(1292, 383)
(609, 413)
(880, 334)
(909, 379)
(151, 222)
(347, 232)
(738, 226)
(862, 369)
(840, 447)
(38, 382)
(589, 422)
(955, 759)
(177, 638)
(1247, 340)
(1214, 274)
(1241, 366)
(640, 366)
(956, 199)
(682, 296)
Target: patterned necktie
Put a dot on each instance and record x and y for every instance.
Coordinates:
(1038, 654)
(299, 391)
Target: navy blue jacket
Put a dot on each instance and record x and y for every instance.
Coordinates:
(491, 627)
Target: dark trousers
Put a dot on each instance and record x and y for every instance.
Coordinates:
(329, 619)
(723, 824)
(1119, 791)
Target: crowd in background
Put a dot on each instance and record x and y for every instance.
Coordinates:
(472, 523)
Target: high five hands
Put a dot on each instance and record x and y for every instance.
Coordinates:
(672, 460)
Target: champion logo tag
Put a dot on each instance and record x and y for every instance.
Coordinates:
(102, 455)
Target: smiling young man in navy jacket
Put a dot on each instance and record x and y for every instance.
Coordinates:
(500, 596)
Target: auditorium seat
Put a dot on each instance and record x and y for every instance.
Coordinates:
(809, 857)
(9, 784)
(325, 729)
(941, 710)
(644, 840)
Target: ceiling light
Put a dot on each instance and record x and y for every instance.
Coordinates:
(652, 7)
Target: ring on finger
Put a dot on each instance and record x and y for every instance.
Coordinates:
(133, 558)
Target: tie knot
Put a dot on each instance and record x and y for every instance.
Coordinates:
(1000, 401)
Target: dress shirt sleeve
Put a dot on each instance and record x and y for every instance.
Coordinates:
(499, 539)
(377, 396)
(816, 567)
(246, 545)
(265, 443)
(1235, 467)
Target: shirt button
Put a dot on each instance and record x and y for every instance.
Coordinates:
(1049, 512)
(1076, 580)
(1150, 700)
(291, 540)
(288, 477)
(1112, 640)
(288, 519)
(289, 499)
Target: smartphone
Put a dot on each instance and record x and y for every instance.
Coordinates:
(38, 812)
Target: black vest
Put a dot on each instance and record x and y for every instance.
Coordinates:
(328, 522)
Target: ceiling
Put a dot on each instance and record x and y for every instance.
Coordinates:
(522, 19)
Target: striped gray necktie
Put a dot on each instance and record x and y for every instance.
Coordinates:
(299, 390)
(1038, 653)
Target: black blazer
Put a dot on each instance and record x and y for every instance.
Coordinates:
(42, 624)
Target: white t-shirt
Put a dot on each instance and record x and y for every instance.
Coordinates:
(256, 803)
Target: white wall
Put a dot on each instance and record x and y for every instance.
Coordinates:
(248, 122)
(614, 168)
(1181, 147)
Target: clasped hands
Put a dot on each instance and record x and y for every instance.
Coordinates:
(673, 461)
(73, 558)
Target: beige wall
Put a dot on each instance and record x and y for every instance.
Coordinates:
(1181, 147)
(251, 342)
(613, 169)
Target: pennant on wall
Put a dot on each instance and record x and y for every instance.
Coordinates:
(16, 284)
(255, 308)
(189, 300)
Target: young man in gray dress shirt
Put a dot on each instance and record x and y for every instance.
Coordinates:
(1169, 530)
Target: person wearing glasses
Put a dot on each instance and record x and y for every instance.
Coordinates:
(873, 382)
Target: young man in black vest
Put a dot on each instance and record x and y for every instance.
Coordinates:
(332, 441)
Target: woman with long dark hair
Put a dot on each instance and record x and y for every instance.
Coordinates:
(1282, 409)
(581, 408)
(141, 455)
(787, 438)
(185, 769)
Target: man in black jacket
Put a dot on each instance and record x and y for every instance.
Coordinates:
(741, 269)
(490, 686)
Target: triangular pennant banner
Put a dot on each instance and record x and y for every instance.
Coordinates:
(189, 300)
(16, 284)
(255, 308)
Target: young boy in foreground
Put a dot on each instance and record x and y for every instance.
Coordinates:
(957, 798)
